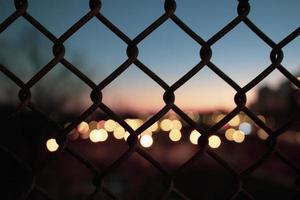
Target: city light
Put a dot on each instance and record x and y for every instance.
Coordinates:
(166, 125)
(119, 132)
(95, 135)
(229, 134)
(146, 132)
(262, 134)
(176, 124)
(134, 123)
(98, 131)
(100, 124)
(83, 130)
(194, 136)
(214, 141)
(235, 121)
(92, 125)
(126, 135)
(146, 140)
(98, 135)
(246, 128)
(175, 135)
(218, 117)
(110, 125)
(238, 136)
(52, 145)
(153, 127)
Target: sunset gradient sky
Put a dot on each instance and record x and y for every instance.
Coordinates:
(168, 51)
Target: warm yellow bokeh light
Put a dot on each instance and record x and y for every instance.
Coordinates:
(229, 134)
(238, 136)
(110, 125)
(214, 141)
(146, 140)
(153, 127)
(134, 123)
(119, 132)
(194, 136)
(218, 117)
(262, 134)
(83, 128)
(235, 121)
(126, 135)
(146, 132)
(52, 145)
(245, 118)
(166, 125)
(175, 135)
(176, 124)
(98, 135)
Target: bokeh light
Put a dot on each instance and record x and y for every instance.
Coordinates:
(93, 125)
(83, 130)
(214, 141)
(119, 132)
(218, 117)
(175, 135)
(134, 123)
(146, 132)
(246, 128)
(146, 140)
(176, 124)
(110, 125)
(235, 121)
(98, 135)
(95, 135)
(100, 124)
(229, 134)
(194, 136)
(166, 125)
(126, 135)
(153, 127)
(238, 136)
(262, 134)
(52, 145)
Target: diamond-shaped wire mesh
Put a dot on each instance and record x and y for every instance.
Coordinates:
(99, 175)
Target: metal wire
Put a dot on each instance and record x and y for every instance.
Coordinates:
(238, 190)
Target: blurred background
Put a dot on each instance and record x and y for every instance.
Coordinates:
(170, 53)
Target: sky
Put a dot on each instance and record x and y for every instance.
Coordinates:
(168, 51)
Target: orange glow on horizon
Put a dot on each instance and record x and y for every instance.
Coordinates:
(188, 100)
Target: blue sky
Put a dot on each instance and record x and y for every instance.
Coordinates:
(168, 51)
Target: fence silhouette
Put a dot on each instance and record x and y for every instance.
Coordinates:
(205, 54)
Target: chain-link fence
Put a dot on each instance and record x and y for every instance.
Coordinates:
(170, 191)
